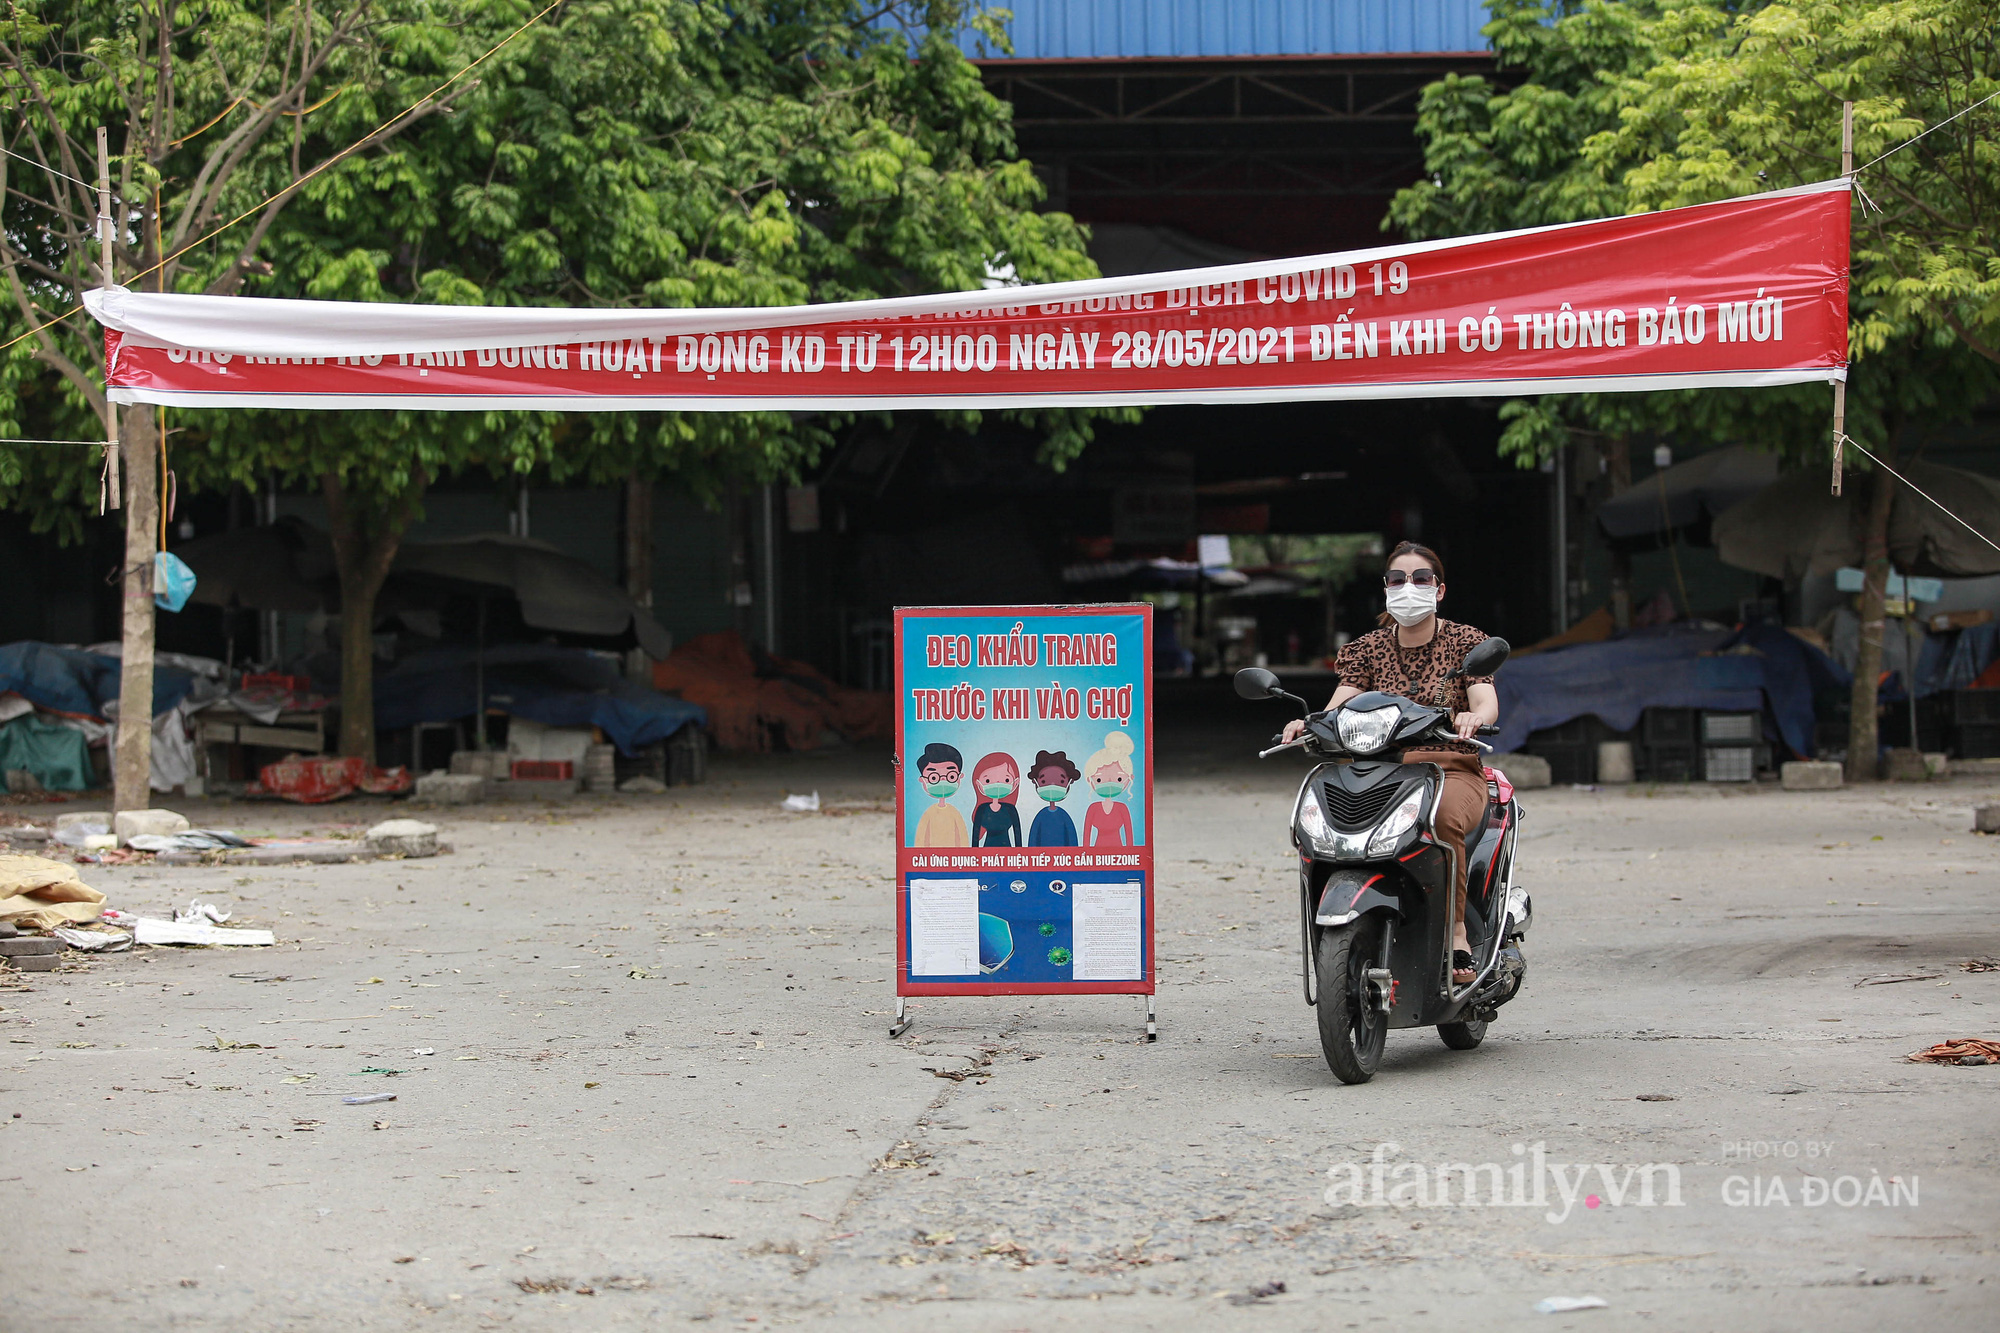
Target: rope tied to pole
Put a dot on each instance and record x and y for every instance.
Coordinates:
(1863, 449)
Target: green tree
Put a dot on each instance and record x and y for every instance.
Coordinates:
(215, 107)
(641, 153)
(1631, 107)
(1754, 100)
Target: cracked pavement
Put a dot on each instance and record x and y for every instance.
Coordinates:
(643, 1076)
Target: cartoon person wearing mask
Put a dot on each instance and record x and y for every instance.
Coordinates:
(1052, 773)
(1108, 821)
(996, 781)
(939, 768)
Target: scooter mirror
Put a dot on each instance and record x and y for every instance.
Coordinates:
(1257, 683)
(1486, 658)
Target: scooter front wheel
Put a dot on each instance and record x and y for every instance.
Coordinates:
(1462, 1036)
(1352, 1030)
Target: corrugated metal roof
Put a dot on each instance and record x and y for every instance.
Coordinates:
(1125, 29)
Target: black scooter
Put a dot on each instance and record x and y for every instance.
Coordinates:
(1375, 880)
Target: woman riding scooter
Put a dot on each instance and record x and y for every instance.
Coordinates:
(1413, 655)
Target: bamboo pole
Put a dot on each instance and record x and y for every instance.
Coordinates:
(107, 482)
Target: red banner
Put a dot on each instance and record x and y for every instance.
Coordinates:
(1749, 291)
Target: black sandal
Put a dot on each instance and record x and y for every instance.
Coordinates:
(1462, 971)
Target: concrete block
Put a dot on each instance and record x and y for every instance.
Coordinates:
(1525, 771)
(404, 837)
(83, 817)
(1904, 765)
(37, 962)
(1810, 775)
(484, 763)
(1986, 819)
(21, 946)
(1975, 768)
(451, 788)
(1937, 765)
(129, 823)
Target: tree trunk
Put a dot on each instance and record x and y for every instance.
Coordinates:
(132, 757)
(639, 539)
(639, 565)
(1862, 731)
(364, 546)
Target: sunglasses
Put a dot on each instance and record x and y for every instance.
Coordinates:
(1423, 578)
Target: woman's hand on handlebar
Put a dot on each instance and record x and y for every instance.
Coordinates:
(1293, 728)
(1467, 725)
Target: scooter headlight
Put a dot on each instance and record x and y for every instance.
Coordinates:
(1395, 824)
(1365, 733)
(1309, 829)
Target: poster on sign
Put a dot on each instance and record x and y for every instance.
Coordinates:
(1024, 812)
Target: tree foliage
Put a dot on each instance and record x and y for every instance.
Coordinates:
(1611, 108)
(1628, 107)
(618, 153)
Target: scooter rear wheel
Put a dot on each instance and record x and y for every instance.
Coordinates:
(1351, 1030)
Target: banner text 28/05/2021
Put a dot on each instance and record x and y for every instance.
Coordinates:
(1744, 291)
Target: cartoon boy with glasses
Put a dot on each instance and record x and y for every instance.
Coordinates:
(939, 769)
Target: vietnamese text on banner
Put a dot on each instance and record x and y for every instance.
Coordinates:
(1743, 292)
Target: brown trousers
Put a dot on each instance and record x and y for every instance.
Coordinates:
(1460, 809)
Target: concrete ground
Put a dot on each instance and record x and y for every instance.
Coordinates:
(655, 1084)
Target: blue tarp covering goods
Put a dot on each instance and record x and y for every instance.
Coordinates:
(558, 687)
(1672, 667)
(70, 680)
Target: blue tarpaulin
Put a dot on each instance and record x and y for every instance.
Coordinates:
(558, 687)
(1671, 667)
(70, 680)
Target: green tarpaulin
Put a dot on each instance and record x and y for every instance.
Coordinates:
(57, 755)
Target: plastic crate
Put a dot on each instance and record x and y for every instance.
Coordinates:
(542, 770)
(1728, 763)
(1568, 761)
(1730, 728)
(1666, 763)
(1979, 740)
(687, 756)
(1975, 706)
(1667, 726)
(273, 681)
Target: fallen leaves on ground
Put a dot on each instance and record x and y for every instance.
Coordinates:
(542, 1285)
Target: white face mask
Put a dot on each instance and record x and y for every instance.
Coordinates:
(1409, 603)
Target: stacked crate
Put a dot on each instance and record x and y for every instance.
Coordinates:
(1730, 743)
(600, 768)
(1667, 745)
(1976, 714)
(1570, 748)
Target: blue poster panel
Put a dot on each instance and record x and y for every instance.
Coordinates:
(1024, 800)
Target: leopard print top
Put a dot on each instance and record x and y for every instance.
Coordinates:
(1375, 661)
